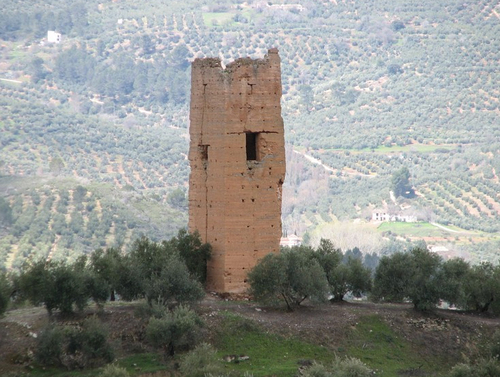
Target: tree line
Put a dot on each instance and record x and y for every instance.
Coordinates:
(161, 273)
(418, 276)
(175, 271)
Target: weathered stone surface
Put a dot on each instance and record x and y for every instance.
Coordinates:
(237, 158)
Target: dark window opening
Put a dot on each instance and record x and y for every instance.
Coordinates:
(204, 152)
(252, 140)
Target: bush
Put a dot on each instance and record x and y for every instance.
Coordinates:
(112, 370)
(194, 253)
(4, 293)
(483, 368)
(176, 330)
(146, 311)
(316, 370)
(49, 347)
(414, 275)
(200, 362)
(74, 348)
(348, 367)
(92, 342)
(351, 367)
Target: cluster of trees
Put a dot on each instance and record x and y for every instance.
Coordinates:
(165, 272)
(35, 21)
(425, 279)
(302, 272)
(400, 183)
(418, 276)
(123, 79)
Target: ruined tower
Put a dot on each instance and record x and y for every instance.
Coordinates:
(237, 158)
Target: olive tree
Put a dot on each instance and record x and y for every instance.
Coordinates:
(290, 276)
(55, 285)
(413, 276)
(175, 330)
(156, 272)
(342, 276)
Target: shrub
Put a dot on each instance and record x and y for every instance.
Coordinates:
(112, 370)
(176, 330)
(56, 285)
(316, 370)
(194, 253)
(200, 362)
(4, 293)
(74, 348)
(351, 367)
(49, 348)
(146, 311)
(414, 275)
(348, 367)
(93, 342)
(483, 368)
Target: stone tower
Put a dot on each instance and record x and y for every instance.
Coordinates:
(237, 158)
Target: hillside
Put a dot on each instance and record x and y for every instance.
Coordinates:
(393, 340)
(368, 88)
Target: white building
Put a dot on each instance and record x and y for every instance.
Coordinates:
(53, 37)
(384, 215)
(291, 240)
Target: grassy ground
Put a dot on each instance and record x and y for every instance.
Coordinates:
(420, 229)
(372, 341)
(423, 148)
(135, 365)
(270, 354)
(214, 19)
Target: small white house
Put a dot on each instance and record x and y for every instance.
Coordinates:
(291, 240)
(53, 37)
(438, 249)
(383, 215)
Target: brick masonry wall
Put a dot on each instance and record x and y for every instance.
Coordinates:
(234, 202)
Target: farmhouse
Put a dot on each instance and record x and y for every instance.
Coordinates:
(384, 215)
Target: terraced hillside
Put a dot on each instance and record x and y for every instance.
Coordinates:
(369, 87)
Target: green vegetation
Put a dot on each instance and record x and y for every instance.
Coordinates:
(400, 183)
(202, 361)
(154, 271)
(178, 330)
(5, 292)
(240, 336)
(291, 276)
(423, 278)
(339, 368)
(74, 348)
(301, 273)
(374, 342)
(420, 229)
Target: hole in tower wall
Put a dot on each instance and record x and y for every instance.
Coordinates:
(252, 142)
(203, 152)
